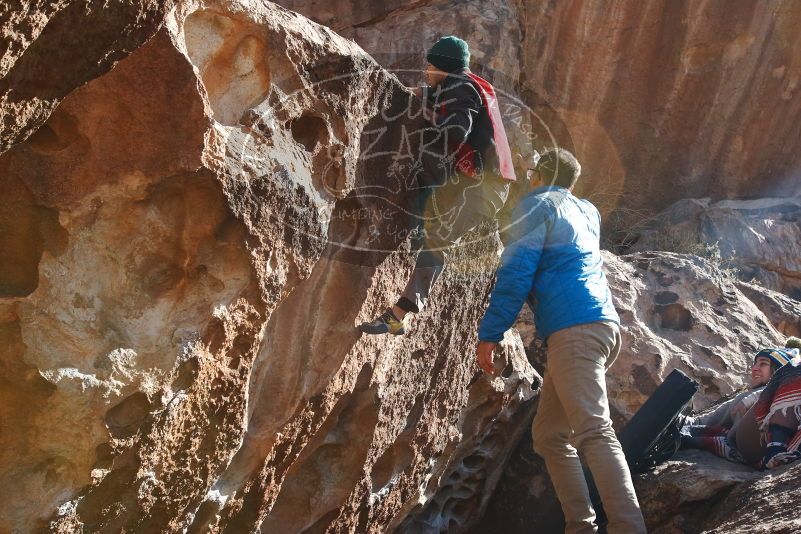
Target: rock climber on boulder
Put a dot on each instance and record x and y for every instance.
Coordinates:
(463, 109)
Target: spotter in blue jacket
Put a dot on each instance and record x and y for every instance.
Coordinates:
(553, 260)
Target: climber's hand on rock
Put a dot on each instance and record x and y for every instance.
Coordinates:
(484, 356)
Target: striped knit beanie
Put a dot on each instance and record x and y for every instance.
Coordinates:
(778, 357)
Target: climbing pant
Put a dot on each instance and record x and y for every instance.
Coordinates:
(446, 214)
(573, 416)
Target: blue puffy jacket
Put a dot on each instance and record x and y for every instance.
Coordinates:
(553, 259)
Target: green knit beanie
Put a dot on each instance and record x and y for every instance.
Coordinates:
(793, 343)
(450, 54)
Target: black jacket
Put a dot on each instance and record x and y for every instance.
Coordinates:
(464, 121)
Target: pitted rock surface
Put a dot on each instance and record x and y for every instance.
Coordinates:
(192, 248)
(189, 240)
(51, 48)
(759, 238)
(681, 312)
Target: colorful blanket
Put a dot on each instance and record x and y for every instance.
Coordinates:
(780, 399)
(708, 431)
(711, 438)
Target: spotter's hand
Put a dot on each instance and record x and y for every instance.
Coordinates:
(484, 356)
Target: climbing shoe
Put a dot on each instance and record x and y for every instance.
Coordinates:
(386, 323)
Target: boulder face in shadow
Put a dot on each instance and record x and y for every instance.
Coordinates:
(39, 65)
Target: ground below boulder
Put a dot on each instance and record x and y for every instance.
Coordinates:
(698, 492)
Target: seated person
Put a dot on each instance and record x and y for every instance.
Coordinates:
(777, 414)
(718, 430)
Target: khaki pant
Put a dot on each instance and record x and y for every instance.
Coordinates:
(573, 414)
(450, 212)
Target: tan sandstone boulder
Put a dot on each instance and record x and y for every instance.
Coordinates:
(50, 48)
(760, 238)
(698, 492)
(681, 312)
(192, 238)
(212, 205)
